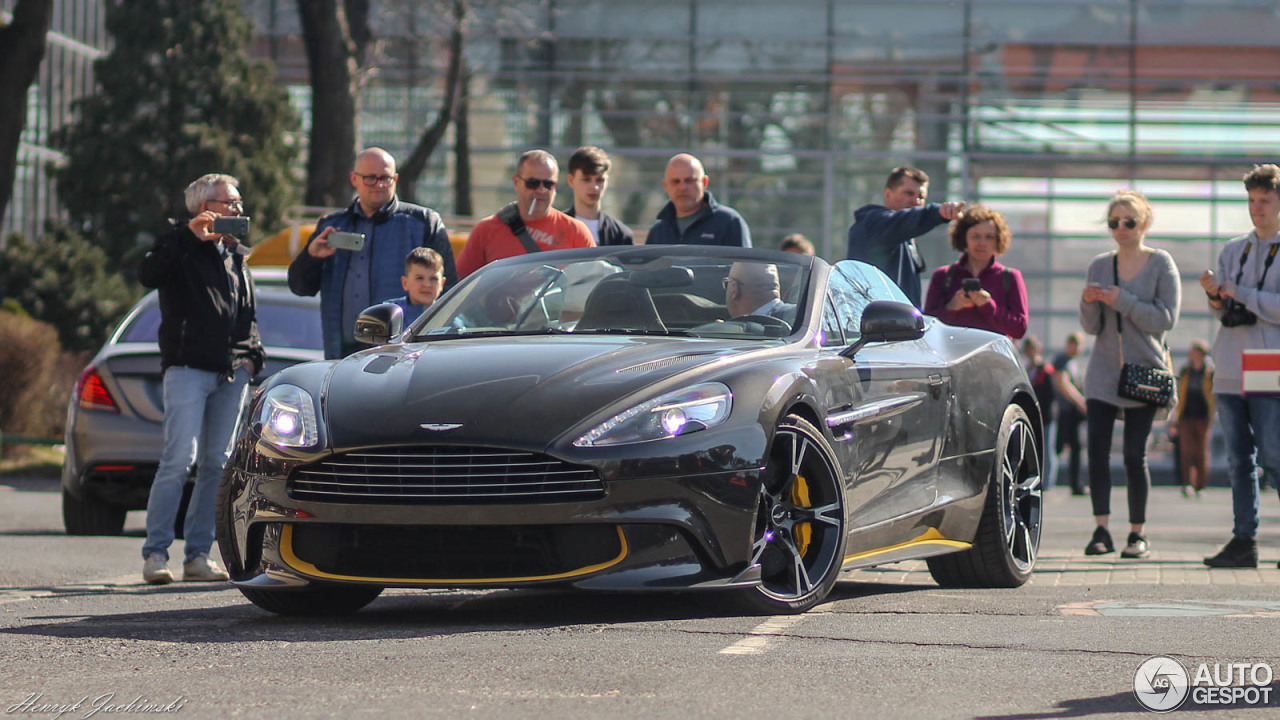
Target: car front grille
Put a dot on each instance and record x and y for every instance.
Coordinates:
(453, 554)
(435, 475)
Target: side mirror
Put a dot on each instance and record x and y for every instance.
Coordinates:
(378, 324)
(887, 321)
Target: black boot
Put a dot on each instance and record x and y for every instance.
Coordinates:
(1239, 553)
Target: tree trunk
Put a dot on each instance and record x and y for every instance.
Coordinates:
(331, 57)
(22, 44)
(413, 166)
(462, 150)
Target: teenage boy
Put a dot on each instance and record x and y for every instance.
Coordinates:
(589, 179)
(422, 280)
(1244, 295)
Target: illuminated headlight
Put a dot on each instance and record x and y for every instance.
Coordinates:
(678, 413)
(287, 417)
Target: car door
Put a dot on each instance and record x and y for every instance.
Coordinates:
(891, 408)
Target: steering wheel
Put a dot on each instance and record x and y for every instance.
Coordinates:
(768, 321)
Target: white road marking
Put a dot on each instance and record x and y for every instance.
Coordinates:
(758, 638)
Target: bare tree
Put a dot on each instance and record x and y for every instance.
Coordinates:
(434, 133)
(336, 35)
(22, 44)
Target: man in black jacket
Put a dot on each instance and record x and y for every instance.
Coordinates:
(209, 348)
(589, 180)
(693, 217)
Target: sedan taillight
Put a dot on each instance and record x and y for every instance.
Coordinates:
(93, 394)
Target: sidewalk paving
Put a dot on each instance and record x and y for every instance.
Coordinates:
(1182, 532)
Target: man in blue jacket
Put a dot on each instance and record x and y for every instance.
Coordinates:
(350, 281)
(693, 217)
(884, 235)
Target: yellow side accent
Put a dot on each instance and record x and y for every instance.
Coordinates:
(293, 561)
(800, 498)
(275, 250)
(929, 537)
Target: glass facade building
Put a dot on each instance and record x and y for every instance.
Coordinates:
(798, 109)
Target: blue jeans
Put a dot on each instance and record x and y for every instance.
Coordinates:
(1251, 427)
(201, 409)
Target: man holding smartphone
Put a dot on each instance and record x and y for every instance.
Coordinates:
(350, 280)
(204, 291)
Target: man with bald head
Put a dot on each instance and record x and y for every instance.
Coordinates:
(693, 217)
(351, 280)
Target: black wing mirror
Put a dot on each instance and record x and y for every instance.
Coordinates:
(887, 321)
(378, 324)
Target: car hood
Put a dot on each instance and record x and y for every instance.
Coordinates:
(495, 392)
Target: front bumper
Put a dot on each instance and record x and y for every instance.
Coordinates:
(649, 531)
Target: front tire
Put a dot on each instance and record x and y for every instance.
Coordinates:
(800, 529)
(1008, 538)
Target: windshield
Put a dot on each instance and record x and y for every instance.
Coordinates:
(640, 294)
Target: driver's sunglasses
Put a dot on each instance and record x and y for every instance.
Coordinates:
(535, 183)
(1114, 223)
(728, 280)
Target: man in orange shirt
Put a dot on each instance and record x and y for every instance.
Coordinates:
(529, 224)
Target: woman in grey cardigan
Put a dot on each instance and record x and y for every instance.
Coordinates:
(1139, 286)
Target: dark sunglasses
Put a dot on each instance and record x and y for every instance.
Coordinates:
(1114, 223)
(535, 183)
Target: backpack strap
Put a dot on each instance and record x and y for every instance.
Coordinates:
(950, 282)
(510, 216)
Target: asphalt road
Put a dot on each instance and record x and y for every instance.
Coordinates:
(77, 626)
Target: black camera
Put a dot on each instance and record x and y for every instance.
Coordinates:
(231, 225)
(1235, 314)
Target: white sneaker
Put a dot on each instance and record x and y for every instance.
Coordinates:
(155, 570)
(203, 569)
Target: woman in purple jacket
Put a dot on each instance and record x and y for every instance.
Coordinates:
(976, 291)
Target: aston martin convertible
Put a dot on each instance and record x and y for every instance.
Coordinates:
(636, 418)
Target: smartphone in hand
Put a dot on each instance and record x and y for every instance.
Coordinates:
(346, 241)
(231, 225)
(971, 285)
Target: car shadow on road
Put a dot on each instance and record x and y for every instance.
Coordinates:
(394, 615)
(1125, 702)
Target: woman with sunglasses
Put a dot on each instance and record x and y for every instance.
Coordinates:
(977, 291)
(1130, 301)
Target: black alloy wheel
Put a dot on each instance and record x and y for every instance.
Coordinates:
(1008, 538)
(800, 529)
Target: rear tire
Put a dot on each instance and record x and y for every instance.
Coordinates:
(800, 531)
(1008, 538)
(87, 516)
(313, 601)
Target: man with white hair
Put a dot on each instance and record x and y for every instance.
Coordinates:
(209, 348)
(752, 288)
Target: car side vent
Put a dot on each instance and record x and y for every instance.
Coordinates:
(442, 475)
(664, 362)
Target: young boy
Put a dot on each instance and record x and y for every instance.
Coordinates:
(589, 179)
(423, 277)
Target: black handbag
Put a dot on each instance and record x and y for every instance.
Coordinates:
(1144, 383)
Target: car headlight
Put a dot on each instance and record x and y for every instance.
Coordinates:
(678, 413)
(287, 417)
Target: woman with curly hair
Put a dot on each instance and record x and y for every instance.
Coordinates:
(976, 290)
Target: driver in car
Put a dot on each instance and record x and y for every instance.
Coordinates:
(753, 289)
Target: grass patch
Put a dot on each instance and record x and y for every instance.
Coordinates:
(31, 461)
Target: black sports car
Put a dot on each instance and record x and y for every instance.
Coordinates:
(639, 418)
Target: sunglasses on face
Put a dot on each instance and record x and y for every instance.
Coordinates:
(1114, 223)
(535, 183)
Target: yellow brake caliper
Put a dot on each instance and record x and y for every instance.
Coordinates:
(800, 498)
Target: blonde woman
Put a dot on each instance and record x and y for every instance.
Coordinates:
(1130, 301)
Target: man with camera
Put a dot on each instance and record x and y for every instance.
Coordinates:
(1245, 296)
(209, 348)
(355, 257)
